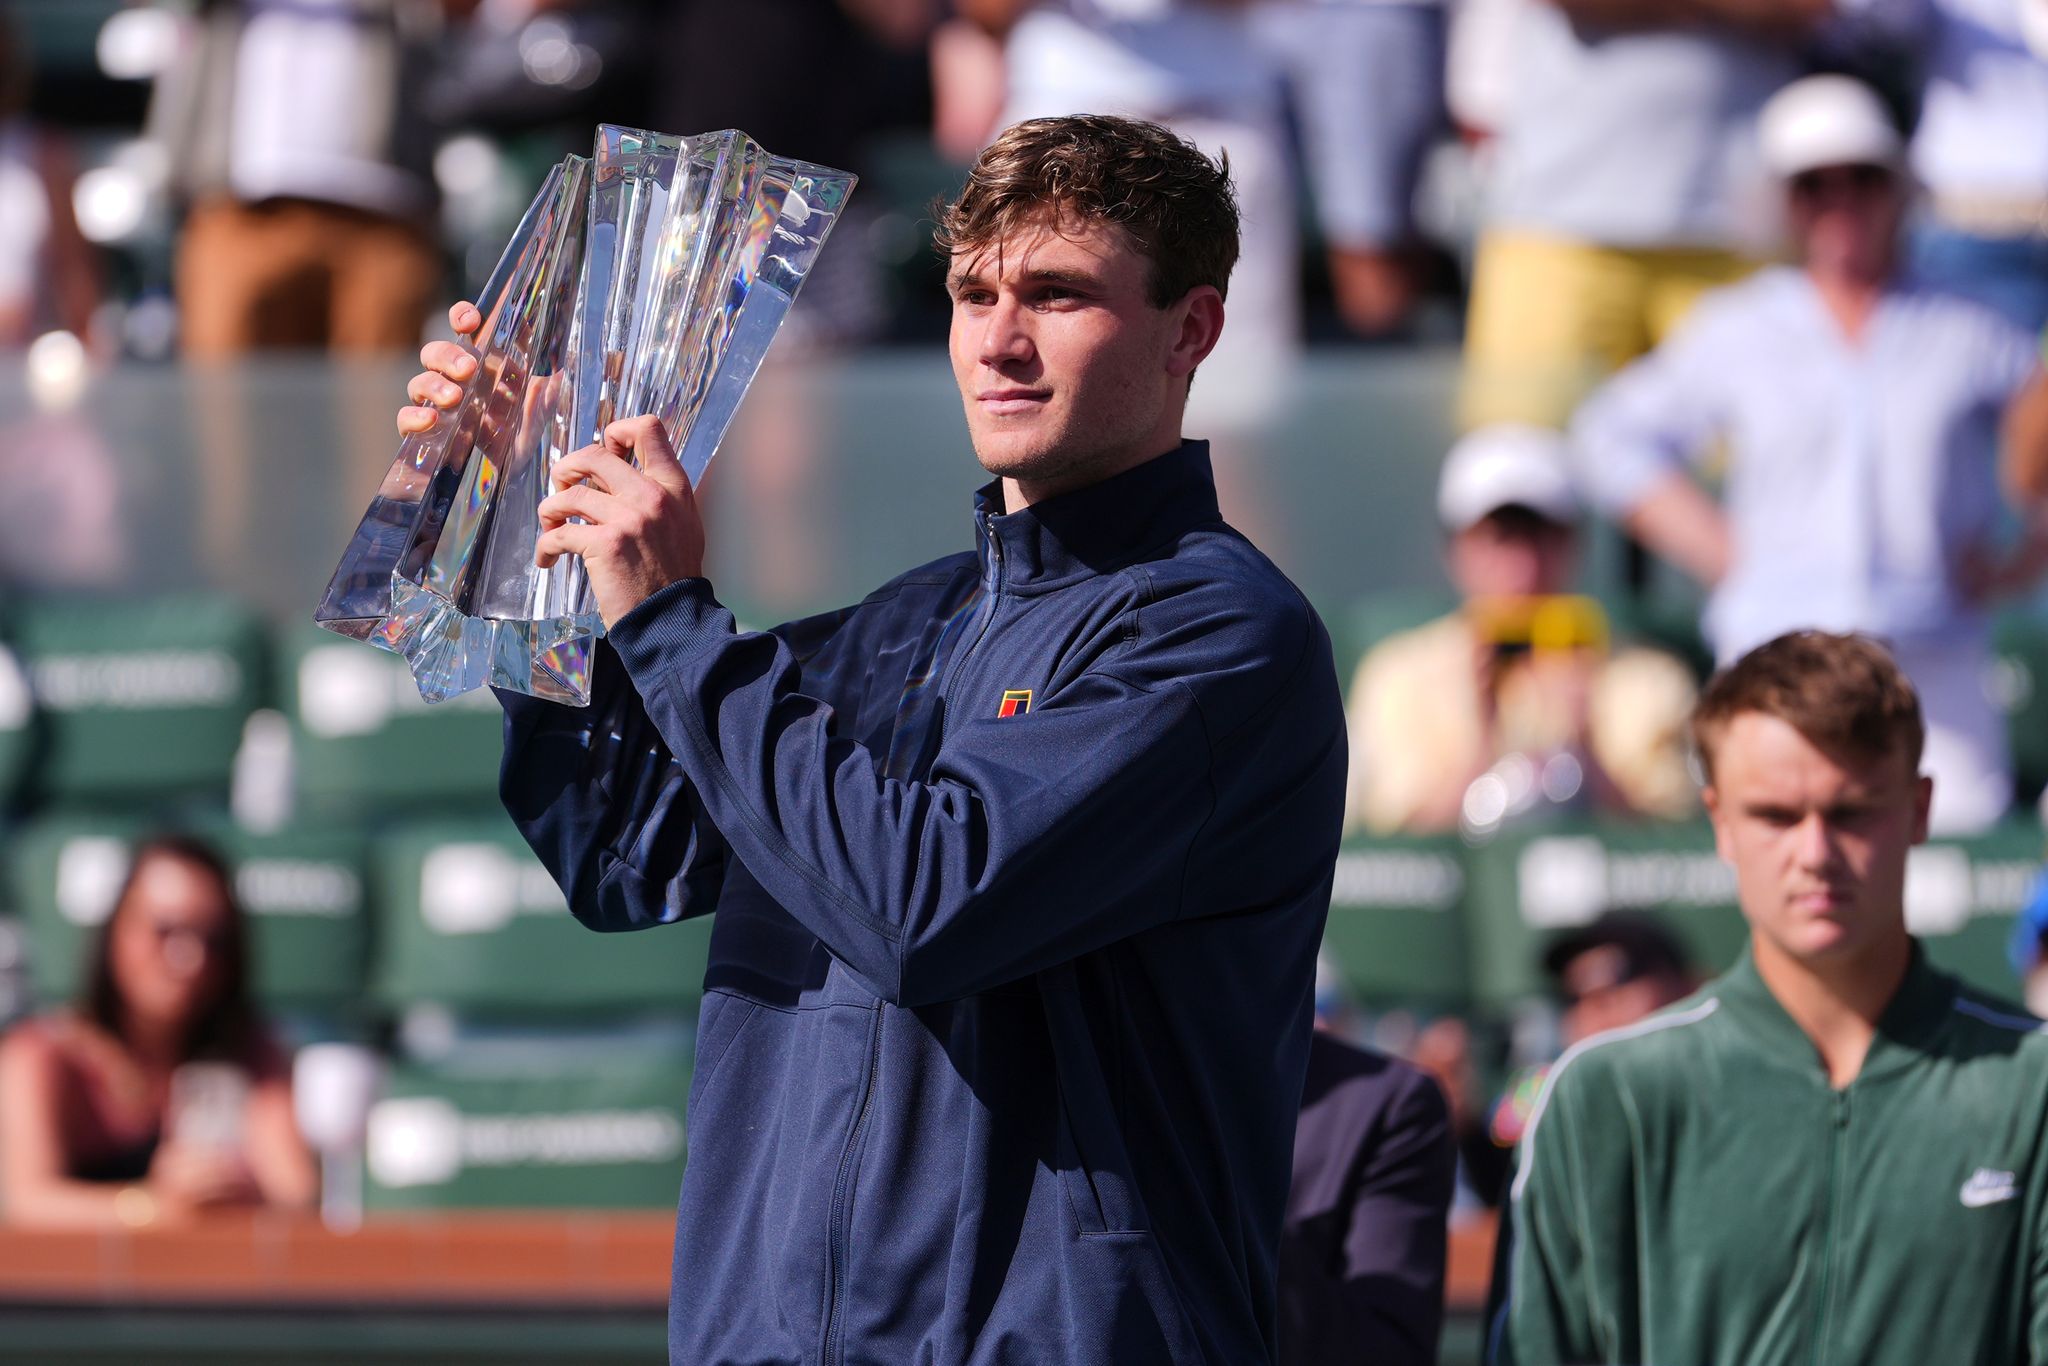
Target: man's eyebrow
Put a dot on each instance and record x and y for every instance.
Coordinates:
(1047, 275)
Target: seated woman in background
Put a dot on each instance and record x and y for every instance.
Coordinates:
(160, 1095)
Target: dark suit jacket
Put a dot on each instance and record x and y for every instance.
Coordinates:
(1362, 1250)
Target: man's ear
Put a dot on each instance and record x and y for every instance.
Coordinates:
(1710, 798)
(1200, 323)
(1923, 802)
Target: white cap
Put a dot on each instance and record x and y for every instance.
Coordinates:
(1506, 465)
(1827, 121)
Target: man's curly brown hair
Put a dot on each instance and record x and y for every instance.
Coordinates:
(1174, 203)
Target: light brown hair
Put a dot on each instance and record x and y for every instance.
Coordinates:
(1174, 203)
(1844, 693)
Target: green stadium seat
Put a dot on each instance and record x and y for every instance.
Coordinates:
(564, 1128)
(471, 921)
(1524, 888)
(1961, 898)
(303, 891)
(1397, 924)
(142, 699)
(363, 740)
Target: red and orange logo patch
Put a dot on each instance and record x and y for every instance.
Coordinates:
(1016, 701)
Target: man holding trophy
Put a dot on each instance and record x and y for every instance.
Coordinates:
(1019, 865)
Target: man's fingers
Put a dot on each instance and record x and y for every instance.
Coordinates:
(646, 440)
(596, 465)
(465, 318)
(429, 388)
(578, 500)
(448, 359)
(570, 538)
(413, 421)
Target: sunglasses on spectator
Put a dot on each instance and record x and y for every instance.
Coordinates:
(1858, 179)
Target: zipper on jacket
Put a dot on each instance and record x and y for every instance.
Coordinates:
(988, 617)
(1838, 1136)
(842, 1195)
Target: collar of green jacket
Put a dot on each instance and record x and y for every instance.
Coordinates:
(1923, 1004)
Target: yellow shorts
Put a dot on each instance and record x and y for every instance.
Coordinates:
(1551, 317)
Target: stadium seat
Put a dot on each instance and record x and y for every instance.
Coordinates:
(303, 890)
(141, 699)
(1524, 888)
(469, 920)
(569, 1127)
(1397, 924)
(1961, 897)
(363, 740)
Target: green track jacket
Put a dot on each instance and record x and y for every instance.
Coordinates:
(1692, 1192)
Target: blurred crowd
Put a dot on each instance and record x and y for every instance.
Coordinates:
(1761, 285)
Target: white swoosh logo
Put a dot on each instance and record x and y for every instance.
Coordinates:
(1988, 1188)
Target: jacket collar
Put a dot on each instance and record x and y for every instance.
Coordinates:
(1098, 529)
(1922, 1004)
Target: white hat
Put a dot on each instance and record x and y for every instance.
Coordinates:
(1827, 121)
(1506, 465)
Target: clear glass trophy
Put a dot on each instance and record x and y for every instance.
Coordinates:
(648, 279)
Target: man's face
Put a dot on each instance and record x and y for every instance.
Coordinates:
(1846, 218)
(1818, 844)
(1603, 991)
(1067, 371)
(1511, 554)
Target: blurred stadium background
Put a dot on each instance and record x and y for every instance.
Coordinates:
(166, 528)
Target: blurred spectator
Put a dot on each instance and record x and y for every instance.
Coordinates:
(1981, 151)
(160, 1095)
(1616, 970)
(1621, 967)
(1519, 669)
(1444, 1048)
(1624, 186)
(1195, 67)
(292, 128)
(815, 79)
(1859, 412)
(1362, 1245)
(48, 277)
(1366, 80)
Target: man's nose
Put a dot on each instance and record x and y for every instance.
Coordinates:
(1006, 334)
(1815, 841)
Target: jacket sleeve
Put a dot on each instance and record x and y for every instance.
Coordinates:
(603, 803)
(1543, 1315)
(1395, 1241)
(1035, 838)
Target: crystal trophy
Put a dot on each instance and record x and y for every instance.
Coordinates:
(647, 279)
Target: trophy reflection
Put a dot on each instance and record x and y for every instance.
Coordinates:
(648, 278)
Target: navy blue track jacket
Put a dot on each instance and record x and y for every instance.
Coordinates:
(1020, 868)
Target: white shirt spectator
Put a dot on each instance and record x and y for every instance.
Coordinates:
(1859, 473)
(1636, 138)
